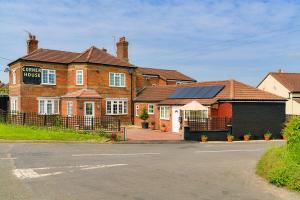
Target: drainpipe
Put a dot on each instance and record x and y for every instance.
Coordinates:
(130, 71)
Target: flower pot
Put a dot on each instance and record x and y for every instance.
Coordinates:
(247, 137)
(163, 129)
(267, 138)
(229, 139)
(145, 125)
(152, 126)
(204, 139)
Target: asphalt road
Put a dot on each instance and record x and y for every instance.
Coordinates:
(134, 171)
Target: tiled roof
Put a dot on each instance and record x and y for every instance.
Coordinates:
(233, 90)
(83, 93)
(165, 74)
(99, 56)
(91, 55)
(289, 80)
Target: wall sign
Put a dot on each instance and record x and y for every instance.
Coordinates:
(31, 75)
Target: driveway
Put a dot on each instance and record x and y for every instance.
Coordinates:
(139, 134)
(133, 171)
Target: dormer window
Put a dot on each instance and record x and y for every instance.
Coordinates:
(48, 77)
(79, 77)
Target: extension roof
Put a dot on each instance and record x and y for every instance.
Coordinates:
(91, 55)
(166, 74)
(233, 91)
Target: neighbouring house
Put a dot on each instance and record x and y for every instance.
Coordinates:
(286, 85)
(224, 104)
(91, 83)
(154, 76)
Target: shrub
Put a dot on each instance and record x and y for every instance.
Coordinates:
(292, 128)
(144, 114)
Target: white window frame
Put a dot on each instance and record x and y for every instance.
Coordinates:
(14, 107)
(78, 73)
(137, 110)
(119, 103)
(164, 112)
(112, 83)
(54, 101)
(202, 114)
(49, 71)
(69, 108)
(151, 113)
(14, 77)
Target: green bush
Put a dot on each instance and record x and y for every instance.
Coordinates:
(292, 128)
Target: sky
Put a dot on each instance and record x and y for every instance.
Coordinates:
(207, 40)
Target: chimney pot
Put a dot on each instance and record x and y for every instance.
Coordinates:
(122, 49)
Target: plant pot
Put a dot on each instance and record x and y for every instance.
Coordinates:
(163, 129)
(267, 138)
(204, 139)
(152, 126)
(229, 139)
(145, 125)
(247, 137)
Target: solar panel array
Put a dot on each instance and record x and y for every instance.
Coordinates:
(206, 92)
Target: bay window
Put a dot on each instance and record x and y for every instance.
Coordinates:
(116, 106)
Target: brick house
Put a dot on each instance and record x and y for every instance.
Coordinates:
(286, 85)
(91, 83)
(154, 76)
(249, 108)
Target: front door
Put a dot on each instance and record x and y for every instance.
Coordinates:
(175, 119)
(89, 113)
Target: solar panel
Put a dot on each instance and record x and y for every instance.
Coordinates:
(206, 92)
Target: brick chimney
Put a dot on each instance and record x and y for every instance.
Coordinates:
(122, 49)
(32, 43)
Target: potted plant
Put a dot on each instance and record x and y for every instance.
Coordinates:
(152, 125)
(230, 137)
(144, 116)
(267, 135)
(247, 136)
(204, 138)
(163, 128)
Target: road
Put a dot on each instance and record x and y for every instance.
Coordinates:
(134, 171)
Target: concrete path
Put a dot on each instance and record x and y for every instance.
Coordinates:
(132, 171)
(139, 134)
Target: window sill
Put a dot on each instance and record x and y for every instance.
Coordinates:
(117, 86)
(165, 119)
(116, 114)
(48, 84)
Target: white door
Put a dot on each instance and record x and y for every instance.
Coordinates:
(89, 113)
(175, 119)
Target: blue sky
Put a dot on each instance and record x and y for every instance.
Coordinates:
(208, 40)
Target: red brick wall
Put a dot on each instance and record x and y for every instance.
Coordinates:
(222, 110)
(95, 77)
(155, 117)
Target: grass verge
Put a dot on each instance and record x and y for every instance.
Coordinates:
(14, 132)
(281, 165)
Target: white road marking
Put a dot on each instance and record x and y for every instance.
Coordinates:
(8, 158)
(102, 166)
(230, 150)
(116, 154)
(31, 173)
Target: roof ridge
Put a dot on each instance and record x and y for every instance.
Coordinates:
(90, 53)
(159, 69)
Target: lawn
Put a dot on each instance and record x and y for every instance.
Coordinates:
(281, 165)
(13, 132)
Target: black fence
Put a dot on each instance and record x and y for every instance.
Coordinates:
(108, 123)
(209, 124)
